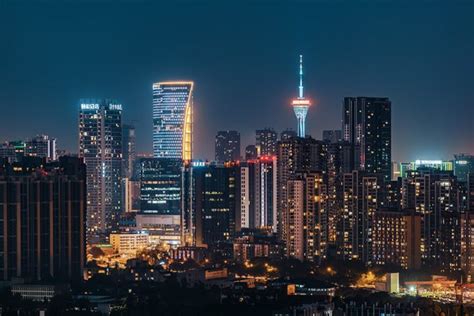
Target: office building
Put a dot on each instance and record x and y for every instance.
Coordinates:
(44, 214)
(366, 124)
(100, 145)
(227, 146)
(301, 105)
(160, 186)
(216, 200)
(173, 120)
(161, 229)
(266, 142)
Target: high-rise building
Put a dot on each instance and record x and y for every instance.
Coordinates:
(463, 166)
(216, 196)
(301, 105)
(366, 124)
(128, 150)
(332, 136)
(355, 225)
(266, 142)
(467, 244)
(43, 219)
(295, 155)
(258, 193)
(306, 237)
(251, 152)
(227, 146)
(41, 146)
(160, 186)
(173, 120)
(435, 195)
(397, 238)
(100, 145)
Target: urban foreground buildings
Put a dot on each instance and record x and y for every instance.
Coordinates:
(100, 145)
(42, 216)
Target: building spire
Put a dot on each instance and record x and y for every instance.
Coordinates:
(301, 78)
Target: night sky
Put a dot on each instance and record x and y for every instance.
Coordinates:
(243, 57)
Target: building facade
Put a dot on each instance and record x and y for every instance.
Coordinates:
(173, 120)
(100, 145)
(366, 124)
(42, 219)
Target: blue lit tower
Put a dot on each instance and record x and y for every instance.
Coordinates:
(301, 104)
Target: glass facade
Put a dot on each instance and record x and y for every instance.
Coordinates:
(160, 191)
(172, 120)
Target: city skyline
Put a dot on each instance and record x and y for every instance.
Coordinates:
(266, 79)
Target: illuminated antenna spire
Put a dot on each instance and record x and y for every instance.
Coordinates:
(301, 78)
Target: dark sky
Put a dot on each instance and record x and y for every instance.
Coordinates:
(243, 58)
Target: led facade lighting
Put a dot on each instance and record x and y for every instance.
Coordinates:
(173, 119)
(301, 105)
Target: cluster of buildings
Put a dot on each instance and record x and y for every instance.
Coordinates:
(288, 194)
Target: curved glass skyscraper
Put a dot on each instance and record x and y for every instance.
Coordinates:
(172, 119)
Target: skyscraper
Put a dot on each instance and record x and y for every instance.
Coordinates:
(173, 119)
(300, 105)
(355, 225)
(227, 146)
(216, 201)
(366, 124)
(266, 142)
(128, 150)
(294, 155)
(100, 145)
(435, 195)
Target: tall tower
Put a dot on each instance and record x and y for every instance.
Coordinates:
(172, 119)
(100, 145)
(301, 105)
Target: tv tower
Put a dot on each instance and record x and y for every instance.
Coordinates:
(301, 105)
